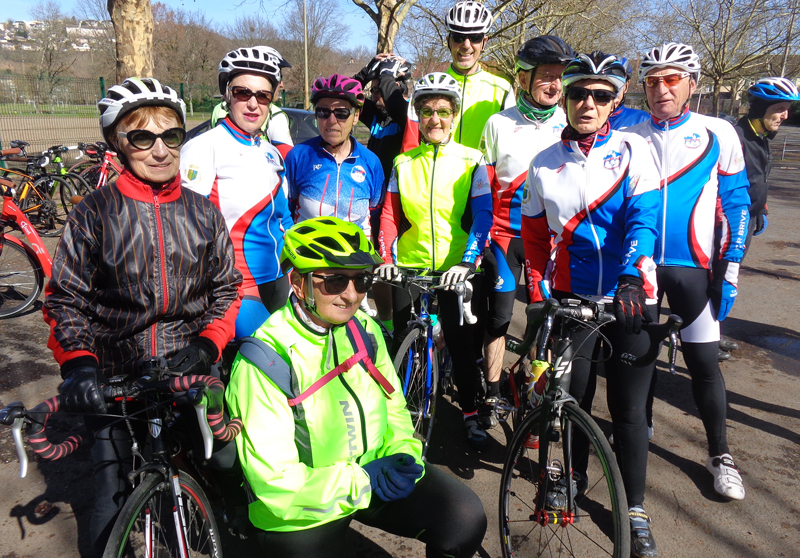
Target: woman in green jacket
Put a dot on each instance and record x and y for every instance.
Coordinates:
(327, 437)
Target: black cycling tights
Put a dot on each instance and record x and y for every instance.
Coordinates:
(686, 290)
(442, 512)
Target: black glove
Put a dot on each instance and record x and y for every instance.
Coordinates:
(195, 358)
(630, 303)
(82, 390)
(368, 72)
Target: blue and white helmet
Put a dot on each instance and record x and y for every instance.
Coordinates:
(775, 89)
(597, 65)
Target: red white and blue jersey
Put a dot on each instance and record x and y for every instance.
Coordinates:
(699, 159)
(510, 141)
(602, 209)
(243, 176)
(624, 117)
(320, 187)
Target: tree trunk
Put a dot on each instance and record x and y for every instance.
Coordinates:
(388, 18)
(715, 98)
(133, 24)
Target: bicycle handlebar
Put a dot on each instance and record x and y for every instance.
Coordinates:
(463, 290)
(205, 393)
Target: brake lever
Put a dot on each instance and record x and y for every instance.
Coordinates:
(22, 456)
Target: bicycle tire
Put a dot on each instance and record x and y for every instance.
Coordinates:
(92, 175)
(21, 279)
(410, 362)
(152, 501)
(47, 215)
(79, 188)
(601, 526)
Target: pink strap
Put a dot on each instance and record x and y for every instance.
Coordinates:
(371, 368)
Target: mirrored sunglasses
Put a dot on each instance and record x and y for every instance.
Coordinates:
(263, 97)
(600, 96)
(337, 283)
(145, 139)
(340, 113)
(441, 113)
(459, 38)
(670, 80)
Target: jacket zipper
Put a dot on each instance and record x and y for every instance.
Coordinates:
(665, 178)
(162, 257)
(591, 223)
(362, 418)
(433, 228)
(463, 102)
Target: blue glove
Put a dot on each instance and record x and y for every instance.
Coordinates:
(393, 477)
(722, 290)
(761, 224)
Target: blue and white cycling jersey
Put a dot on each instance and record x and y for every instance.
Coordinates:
(624, 117)
(602, 209)
(319, 186)
(699, 159)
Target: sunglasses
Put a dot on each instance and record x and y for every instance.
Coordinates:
(341, 114)
(670, 80)
(145, 139)
(600, 96)
(441, 113)
(337, 283)
(459, 38)
(263, 96)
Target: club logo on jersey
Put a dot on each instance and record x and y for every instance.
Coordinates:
(358, 174)
(498, 283)
(693, 141)
(193, 173)
(557, 129)
(271, 158)
(612, 160)
(316, 167)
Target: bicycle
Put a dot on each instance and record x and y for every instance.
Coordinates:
(99, 174)
(23, 267)
(547, 503)
(80, 188)
(168, 513)
(37, 190)
(418, 360)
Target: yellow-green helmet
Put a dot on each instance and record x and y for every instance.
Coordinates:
(327, 242)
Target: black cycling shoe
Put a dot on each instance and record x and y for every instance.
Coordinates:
(476, 434)
(723, 355)
(727, 345)
(643, 545)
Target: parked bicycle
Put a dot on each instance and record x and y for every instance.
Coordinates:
(168, 513)
(80, 188)
(98, 174)
(45, 198)
(23, 267)
(419, 360)
(548, 506)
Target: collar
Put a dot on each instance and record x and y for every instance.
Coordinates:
(674, 122)
(456, 74)
(240, 135)
(354, 146)
(531, 112)
(304, 319)
(586, 142)
(135, 188)
(619, 110)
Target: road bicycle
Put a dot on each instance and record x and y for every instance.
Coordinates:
(80, 188)
(420, 358)
(563, 495)
(99, 174)
(45, 198)
(23, 267)
(168, 513)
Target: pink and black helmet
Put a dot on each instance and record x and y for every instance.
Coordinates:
(338, 87)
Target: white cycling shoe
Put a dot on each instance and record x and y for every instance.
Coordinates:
(727, 480)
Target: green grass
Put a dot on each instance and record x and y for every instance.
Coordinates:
(47, 109)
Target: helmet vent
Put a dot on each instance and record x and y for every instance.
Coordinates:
(305, 252)
(353, 240)
(329, 243)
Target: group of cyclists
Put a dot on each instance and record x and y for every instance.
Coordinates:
(239, 247)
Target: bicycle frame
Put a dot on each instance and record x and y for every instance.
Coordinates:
(13, 216)
(423, 319)
(108, 159)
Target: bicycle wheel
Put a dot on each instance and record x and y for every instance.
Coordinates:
(45, 214)
(92, 175)
(146, 525)
(411, 364)
(530, 525)
(21, 279)
(79, 189)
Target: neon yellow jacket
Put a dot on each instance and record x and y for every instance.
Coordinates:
(302, 463)
(482, 95)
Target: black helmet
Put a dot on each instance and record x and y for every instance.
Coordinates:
(545, 49)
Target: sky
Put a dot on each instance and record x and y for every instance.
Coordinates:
(361, 31)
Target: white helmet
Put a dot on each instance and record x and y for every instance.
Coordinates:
(438, 83)
(468, 17)
(262, 60)
(132, 94)
(675, 55)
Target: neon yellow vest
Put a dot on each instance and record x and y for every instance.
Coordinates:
(482, 95)
(434, 183)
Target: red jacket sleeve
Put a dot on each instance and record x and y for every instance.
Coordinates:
(390, 225)
(536, 240)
